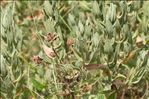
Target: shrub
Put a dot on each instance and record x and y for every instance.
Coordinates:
(75, 49)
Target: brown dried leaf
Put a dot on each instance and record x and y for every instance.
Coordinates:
(49, 51)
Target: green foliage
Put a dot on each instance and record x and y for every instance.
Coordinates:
(74, 49)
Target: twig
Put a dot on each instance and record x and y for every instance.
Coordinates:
(95, 66)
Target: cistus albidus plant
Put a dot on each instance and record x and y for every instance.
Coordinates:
(74, 49)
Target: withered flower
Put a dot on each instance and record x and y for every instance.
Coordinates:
(38, 14)
(49, 51)
(87, 87)
(73, 76)
(66, 92)
(50, 37)
(70, 42)
(37, 59)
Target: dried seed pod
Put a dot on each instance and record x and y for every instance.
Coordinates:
(49, 51)
(37, 59)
